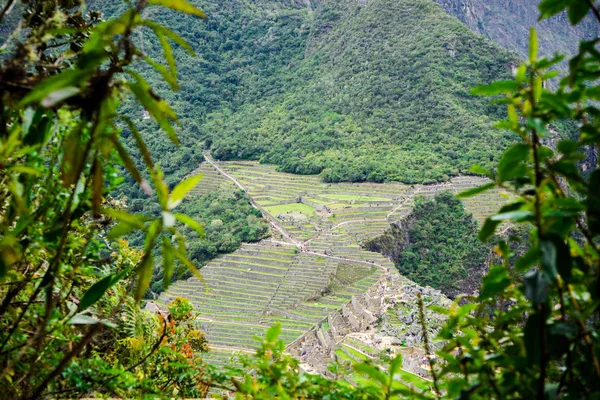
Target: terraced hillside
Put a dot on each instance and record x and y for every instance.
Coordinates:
(313, 266)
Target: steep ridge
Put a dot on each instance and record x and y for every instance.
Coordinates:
(507, 23)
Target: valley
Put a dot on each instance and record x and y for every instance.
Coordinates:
(334, 299)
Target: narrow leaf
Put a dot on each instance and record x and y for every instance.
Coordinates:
(127, 161)
(144, 275)
(59, 95)
(533, 46)
(495, 88)
(120, 230)
(124, 216)
(476, 190)
(180, 5)
(184, 219)
(97, 186)
(168, 254)
(182, 189)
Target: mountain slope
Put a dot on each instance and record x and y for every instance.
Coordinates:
(353, 89)
(507, 23)
(382, 93)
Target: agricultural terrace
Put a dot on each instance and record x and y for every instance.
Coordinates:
(306, 207)
(242, 294)
(313, 265)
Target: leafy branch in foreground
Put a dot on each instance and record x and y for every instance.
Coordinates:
(60, 150)
(532, 331)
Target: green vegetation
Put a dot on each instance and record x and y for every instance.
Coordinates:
(367, 100)
(443, 250)
(228, 220)
(352, 91)
(70, 318)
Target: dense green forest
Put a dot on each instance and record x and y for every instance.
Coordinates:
(436, 245)
(443, 250)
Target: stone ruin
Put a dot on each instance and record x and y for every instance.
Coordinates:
(364, 317)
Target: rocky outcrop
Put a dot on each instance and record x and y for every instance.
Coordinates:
(507, 22)
(393, 241)
(368, 317)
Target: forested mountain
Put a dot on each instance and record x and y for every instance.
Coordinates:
(351, 89)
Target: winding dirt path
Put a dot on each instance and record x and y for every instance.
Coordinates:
(266, 215)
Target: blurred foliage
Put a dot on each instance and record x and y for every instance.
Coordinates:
(64, 282)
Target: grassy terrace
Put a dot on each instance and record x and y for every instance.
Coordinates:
(242, 294)
(212, 180)
(245, 292)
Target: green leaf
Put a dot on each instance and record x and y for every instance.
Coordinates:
(556, 103)
(529, 259)
(273, 332)
(494, 283)
(184, 219)
(533, 337)
(144, 275)
(190, 265)
(549, 8)
(533, 46)
(97, 290)
(535, 287)
(59, 95)
(168, 254)
(153, 232)
(488, 229)
(521, 73)
(179, 5)
(555, 257)
(577, 11)
(182, 189)
(479, 170)
(476, 190)
(521, 215)
(140, 142)
(127, 161)
(157, 107)
(160, 30)
(395, 366)
(168, 76)
(37, 126)
(372, 372)
(124, 216)
(512, 163)
(66, 79)
(495, 88)
(97, 186)
(120, 230)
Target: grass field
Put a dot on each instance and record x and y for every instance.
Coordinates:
(284, 209)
